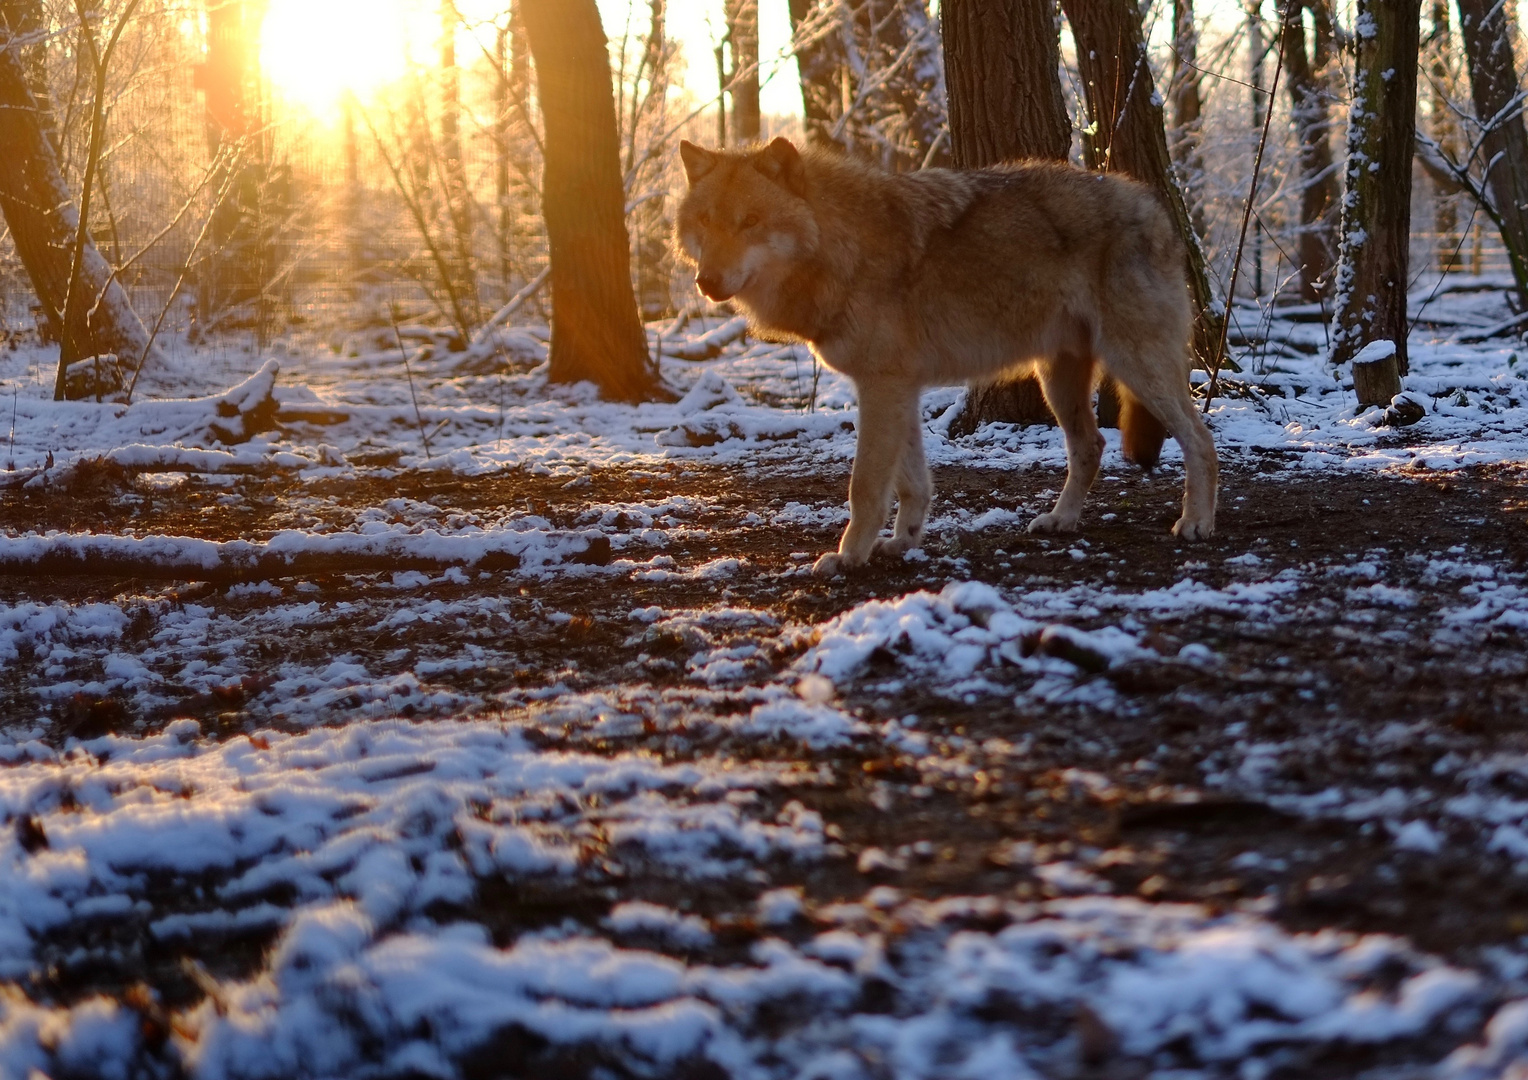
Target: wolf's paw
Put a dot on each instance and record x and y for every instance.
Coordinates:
(1184, 529)
(1052, 523)
(830, 565)
(893, 547)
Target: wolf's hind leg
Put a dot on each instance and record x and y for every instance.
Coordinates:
(915, 490)
(1200, 467)
(1163, 389)
(1067, 381)
(887, 411)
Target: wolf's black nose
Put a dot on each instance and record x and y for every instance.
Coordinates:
(711, 285)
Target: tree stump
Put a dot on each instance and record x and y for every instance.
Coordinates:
(1376, 374)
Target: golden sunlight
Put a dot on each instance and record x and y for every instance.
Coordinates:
(315, 51)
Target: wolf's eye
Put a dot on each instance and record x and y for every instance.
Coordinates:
(704, 219)
(750, 221)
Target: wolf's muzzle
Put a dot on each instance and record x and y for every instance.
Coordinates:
(712, 286)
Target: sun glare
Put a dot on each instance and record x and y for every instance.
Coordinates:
(314, 51)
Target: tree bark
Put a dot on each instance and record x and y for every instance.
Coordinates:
(1126, 132)
(1187, 108)
(1503, 150)
(819, 57)
(1376, 220)
(596, 334)
(40, 212)
(872, 79)
(1002, 63)
(743, 43)
(1438, 48)
(1002, 67)
(1318, 176)
(458, 199)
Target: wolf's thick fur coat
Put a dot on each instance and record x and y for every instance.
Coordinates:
(943, 277)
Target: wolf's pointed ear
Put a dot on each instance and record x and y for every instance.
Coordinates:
(697, 162)
(780, 161)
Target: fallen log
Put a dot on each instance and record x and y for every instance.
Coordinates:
(709, 345)
(291, 554)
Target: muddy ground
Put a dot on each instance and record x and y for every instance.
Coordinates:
(1356, 695)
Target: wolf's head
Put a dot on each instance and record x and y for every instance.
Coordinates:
(745, 219)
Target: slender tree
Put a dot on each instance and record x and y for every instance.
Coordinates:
(1002, 64)
(1438, 49)
(1183, 95)
(872, 79)
(83, 302)
(596, 334)
(1126, 131)
(1503, 151)
(1376, 218)
(457, 195)
(820, 59)
(1319, 189)
(743, 42)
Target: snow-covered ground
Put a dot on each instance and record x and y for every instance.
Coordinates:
(380, 825)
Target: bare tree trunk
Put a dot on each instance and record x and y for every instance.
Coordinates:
(39, 210)
(351, 199)
(1503, 153)
(1126, 133)
(596, 334)
(458, 200)
(1376, 220)
(919, 94)
(1187, 109)
(503, 223)
(1445, 132)
(1255, 50)
(1002, 67)
(1319, 190)
(819, 57)
(743, 41)
(1002, 63)
(872, 79)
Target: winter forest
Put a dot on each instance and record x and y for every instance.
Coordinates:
(412, 663)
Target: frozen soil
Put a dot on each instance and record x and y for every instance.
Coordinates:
(1266, 759)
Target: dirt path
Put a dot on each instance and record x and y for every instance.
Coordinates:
(1349, 664)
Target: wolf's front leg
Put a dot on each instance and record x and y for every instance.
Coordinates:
(915, 489)
(887, 414)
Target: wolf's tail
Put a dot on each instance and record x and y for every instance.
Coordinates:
(1141, 434)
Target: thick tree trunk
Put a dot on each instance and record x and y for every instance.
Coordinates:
(1126, 132)
(1487, 34)
(596, 334)
(1376, 220)
(743, 42)
(40, 212)
(1002, 63)
(1002, 67)
(1319, 190)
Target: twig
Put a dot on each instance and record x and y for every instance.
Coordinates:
(424, 436)
(410, 199)
(1241, 239)
(516, 302)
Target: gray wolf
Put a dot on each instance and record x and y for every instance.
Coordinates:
(949, 276)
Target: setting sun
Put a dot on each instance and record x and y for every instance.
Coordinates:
(314, 51)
